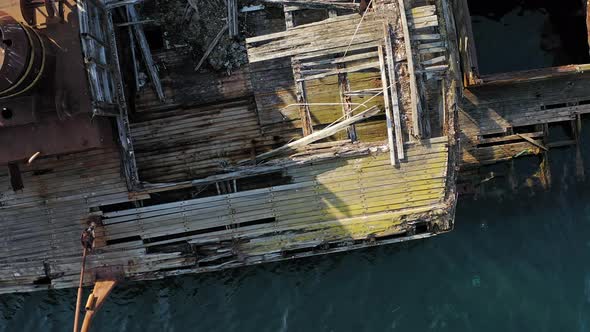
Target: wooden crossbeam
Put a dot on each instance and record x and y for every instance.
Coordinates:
(341, 70)
(315, 4)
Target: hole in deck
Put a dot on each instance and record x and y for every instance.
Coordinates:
(7, 113)
(154, 36)
(515, 35)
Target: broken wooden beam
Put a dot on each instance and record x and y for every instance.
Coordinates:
(320, 134)
(145, 52)
(533, 142)
(126, 24)
(212, 46)
(124, 132)
(316, 4)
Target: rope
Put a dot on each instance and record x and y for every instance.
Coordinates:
(363, 104)
(357, 28)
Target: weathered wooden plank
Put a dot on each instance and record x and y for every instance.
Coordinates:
(414, 101)
(434, 61)
(388, 115)
(145, 51)
(337, 71)
(387, 31)
(428, 37)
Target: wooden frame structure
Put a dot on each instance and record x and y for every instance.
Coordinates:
(228, 175)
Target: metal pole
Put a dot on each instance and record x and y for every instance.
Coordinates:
(79, 298)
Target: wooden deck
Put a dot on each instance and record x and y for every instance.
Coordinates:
(322, 143)
(501, 122)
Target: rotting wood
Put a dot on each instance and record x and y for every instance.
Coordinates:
(232, 17)
(346, 100)
(301, 97)
(271, 166)
(145, 51)
(338, 71)
(320, 134)
(533, 74)
(331, 196)
(414, 100)
(344, 88)
(429, 37)
(434, 61)
(388, 116)
(421, 11)
(312, 39)
(126, 144)
(387, 31)
(338, 60)
(532, 141)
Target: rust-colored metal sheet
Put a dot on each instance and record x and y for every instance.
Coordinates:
(52, 115)
(54, 136)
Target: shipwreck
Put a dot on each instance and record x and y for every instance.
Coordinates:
(290, 129)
